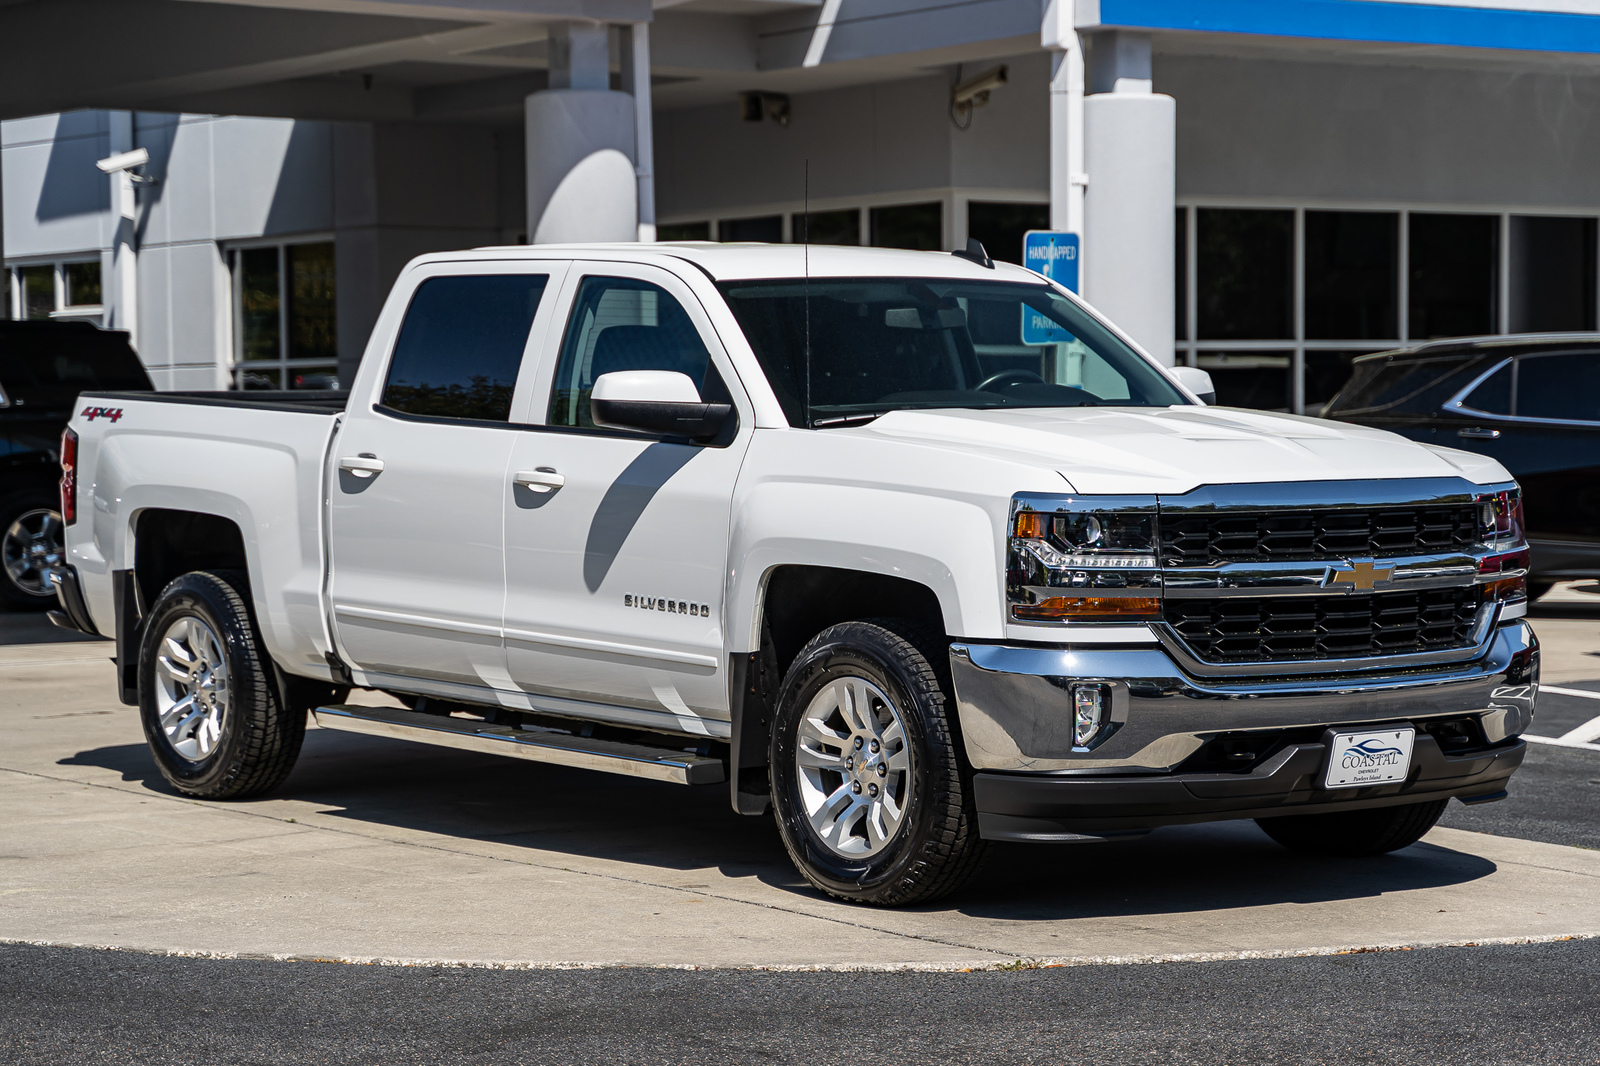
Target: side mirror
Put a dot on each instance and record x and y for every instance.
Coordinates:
(1196, 381)
(655, 401)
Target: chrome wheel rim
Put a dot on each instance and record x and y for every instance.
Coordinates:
(191, 687)
(33, 547)
(853, 767)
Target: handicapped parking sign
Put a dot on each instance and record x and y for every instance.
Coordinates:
(1054, 254)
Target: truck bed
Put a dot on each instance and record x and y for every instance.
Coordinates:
(316, 401)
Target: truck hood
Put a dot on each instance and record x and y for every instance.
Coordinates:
(1110, 450)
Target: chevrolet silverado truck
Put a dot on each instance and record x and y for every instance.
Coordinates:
(913, 550)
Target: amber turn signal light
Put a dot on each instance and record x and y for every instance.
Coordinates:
(1067, 608)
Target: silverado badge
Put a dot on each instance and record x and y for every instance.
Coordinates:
(655, 603)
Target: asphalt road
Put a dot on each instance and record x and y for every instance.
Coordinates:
(1513, 1004)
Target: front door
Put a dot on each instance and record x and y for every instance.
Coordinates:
(417, 496)
(615, 579)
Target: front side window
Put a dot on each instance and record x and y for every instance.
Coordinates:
(625, 324)
(837, 350)
(1564, 386)
(461, 345)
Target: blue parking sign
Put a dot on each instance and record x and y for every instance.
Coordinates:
(1054, 254)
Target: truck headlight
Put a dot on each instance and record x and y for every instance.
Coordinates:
(1083, 559)
(1502, 529)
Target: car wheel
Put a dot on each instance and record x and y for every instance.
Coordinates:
(32, 543)
(872, 795)
(1352, 834)
(211, 713)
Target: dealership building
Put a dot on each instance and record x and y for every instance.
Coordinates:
(1264, 188)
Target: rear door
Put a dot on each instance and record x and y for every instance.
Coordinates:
(615, 580)
(417, 581)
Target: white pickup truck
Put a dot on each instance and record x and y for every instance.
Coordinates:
(912, 549)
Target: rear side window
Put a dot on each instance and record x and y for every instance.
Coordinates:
(1493, 397)
(1559, 386)
(46, 364)
(624, 324)
(461, 345)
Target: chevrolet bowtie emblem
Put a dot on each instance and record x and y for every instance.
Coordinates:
(1361, 577)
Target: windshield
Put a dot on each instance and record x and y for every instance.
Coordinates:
(896, 344)
(1384, 383)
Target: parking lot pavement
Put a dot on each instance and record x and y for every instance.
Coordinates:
(380, 849)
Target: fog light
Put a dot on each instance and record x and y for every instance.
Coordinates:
(1088, 713)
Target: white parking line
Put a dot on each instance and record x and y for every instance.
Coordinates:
(1559, 742)
(1586, 732)
(1570, 692)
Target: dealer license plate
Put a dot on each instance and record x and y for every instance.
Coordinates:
(1379, 757)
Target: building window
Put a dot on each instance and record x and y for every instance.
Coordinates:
(684, 231)
(1276, 302)
(65, 289)
(1000, 227)
(767, 229)
(917, 226)
(285, 323)
(827, 227)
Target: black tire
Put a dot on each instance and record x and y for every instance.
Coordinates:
(20, 516)
(935, 846)
(259, 739)
(1354, 834)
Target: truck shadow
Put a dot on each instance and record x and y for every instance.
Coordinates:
(661, 827)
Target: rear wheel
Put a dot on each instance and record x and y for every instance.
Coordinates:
(1351, 834)
(211, 713)
(872, 797)
(32, 544)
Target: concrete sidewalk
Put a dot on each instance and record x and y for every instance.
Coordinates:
(383, 850)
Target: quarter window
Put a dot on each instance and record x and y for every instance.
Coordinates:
(461, 345)
(624, 324)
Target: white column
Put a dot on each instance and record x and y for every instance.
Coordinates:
(1067, 178)
(1130, 141)
(120, 291)
(582, 185)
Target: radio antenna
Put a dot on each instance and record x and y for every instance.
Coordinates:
(805, 251)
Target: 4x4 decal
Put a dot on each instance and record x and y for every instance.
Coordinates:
(92, 413)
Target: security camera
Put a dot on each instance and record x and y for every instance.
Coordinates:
(974, 92)
(124, 160)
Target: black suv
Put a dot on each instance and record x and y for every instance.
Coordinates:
(1532, 402)
(43, 367)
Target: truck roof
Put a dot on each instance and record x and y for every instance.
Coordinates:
(732, 262)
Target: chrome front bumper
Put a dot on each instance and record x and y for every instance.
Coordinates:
(1016, 719)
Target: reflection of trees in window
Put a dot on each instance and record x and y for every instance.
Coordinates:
(483, 398)
(312, 324)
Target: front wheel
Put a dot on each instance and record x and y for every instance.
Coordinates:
(1353, 834)
(872, 798)
(211, 713)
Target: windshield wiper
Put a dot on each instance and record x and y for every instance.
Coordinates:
(858, 418)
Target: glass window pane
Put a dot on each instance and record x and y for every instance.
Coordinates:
(1249, 379)
(314, 377)
(1559, 386)
(1455, 272)
(83, 283)
(1352, 275)
(1244, 267)
(684, 231)
(767, 228)
(1000, 227)
(313, 329)
(461, 346)
(621, 324)
(1494, 395)
(258, 303)
(1552, 274)
(1180, 274)
(827, 227)
(1386, 381)
(38, 290)
(919, 226)
(260, 378)
(1326, 374)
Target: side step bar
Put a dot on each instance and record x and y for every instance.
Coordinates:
(635, 760)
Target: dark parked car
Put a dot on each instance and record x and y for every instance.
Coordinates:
(1531, 401)
(43, 367)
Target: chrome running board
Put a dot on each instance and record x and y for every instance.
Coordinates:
(563, 749)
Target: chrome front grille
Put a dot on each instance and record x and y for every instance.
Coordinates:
(1197, 538)
(1303, 628)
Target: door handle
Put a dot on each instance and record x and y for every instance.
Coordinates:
(541, 480)
(364, 465)
(1478, 433)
